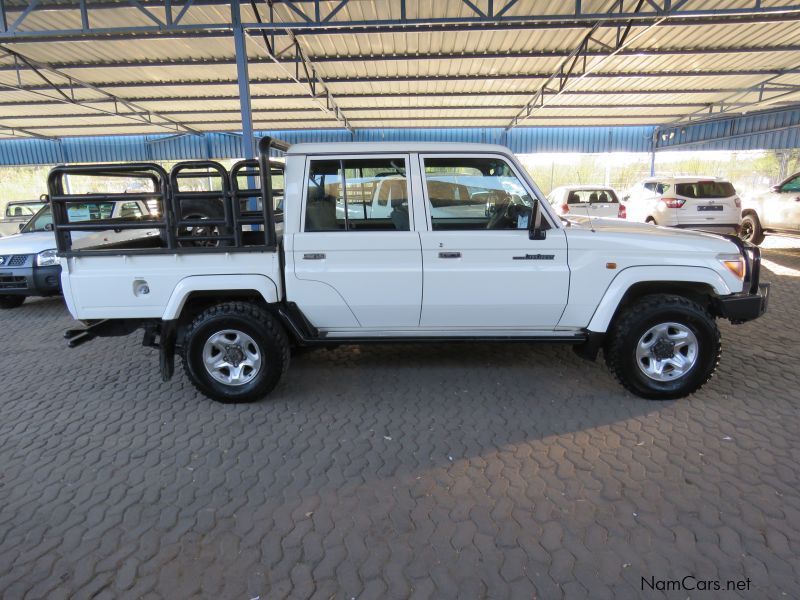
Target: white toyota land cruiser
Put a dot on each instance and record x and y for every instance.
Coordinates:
(466, 250)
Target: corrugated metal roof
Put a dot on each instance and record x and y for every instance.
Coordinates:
(480, 77)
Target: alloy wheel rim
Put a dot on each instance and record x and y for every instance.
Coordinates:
(667, 351)
(232, 357)
(747, 231)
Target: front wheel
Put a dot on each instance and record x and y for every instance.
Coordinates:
(11, 301)
(235, 352)
(663, 347)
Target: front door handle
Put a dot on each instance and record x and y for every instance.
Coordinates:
(314, 256)
(449, 254)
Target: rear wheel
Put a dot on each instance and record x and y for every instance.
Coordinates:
(663, 347)
(235, 352)
(11, 301)
(751, 229)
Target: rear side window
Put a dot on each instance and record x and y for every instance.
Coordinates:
(705, 189)
(658, 188)
(357, 195)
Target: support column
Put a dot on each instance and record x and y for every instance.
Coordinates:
(653, 143)
(240, 47)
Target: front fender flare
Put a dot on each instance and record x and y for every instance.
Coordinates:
(218, 283)
(632, 275)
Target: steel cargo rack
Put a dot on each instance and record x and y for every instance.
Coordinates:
(229, 217)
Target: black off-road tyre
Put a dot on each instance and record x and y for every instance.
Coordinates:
(751, 229)
(7, 302)
(256, 322)
(636, 319)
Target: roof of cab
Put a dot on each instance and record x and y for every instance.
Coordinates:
(394, 148)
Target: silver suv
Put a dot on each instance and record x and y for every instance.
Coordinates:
(775, 211)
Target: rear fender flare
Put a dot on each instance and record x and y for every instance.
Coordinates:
(626, 278)
(218, 283)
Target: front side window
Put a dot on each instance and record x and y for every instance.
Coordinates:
(793, 185)
(357, 195)
(475, 193)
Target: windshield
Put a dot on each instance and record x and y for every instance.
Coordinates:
(40, 221)
(26, 209)
(705, 189)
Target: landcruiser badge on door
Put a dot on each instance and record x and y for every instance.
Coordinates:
(536, 257)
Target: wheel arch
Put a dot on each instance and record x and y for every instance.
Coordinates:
(193, 294)
(699, 284)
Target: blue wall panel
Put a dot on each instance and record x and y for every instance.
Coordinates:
(222, 145)
(768, 130)
(776, 129)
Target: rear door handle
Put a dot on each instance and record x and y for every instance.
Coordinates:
(314, 256)
(449, 254)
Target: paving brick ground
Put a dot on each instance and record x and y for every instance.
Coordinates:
(430, 471)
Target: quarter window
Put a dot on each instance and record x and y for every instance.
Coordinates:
(475, 193)
(357, 195)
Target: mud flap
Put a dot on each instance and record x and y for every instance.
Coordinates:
(166, 349)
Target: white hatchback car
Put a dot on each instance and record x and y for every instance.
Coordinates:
(689, 202)
(586, 201)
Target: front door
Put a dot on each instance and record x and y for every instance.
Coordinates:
(356, 261)
(481, 270)
(782, 208)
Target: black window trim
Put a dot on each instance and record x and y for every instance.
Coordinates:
(521, 178)
(341, 159)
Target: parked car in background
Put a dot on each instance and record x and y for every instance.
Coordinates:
(17, 214)
(775, 211)
(29, 265)
(587, 201)
(688, 202)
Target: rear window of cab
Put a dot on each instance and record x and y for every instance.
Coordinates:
(705, 189)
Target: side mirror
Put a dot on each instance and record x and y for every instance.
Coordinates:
(20, 226)
(775, 188)
(626, 197)
(535, 231)
(48, 227)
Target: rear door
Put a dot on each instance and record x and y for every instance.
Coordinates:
(481, 270)
(352, 268)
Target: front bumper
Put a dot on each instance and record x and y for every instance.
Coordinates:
(752, 301)
(30, 280)
(745, 306)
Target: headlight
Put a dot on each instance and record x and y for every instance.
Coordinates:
(47, 258)
(734, 263)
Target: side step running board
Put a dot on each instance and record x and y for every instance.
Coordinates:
(104, 328)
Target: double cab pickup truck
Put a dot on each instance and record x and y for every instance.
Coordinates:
(352, 243)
